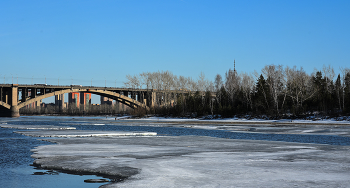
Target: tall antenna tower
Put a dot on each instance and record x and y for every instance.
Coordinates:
(234, 65)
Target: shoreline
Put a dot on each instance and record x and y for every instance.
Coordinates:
(224, 121)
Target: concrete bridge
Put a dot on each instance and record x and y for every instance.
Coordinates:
(15, 96)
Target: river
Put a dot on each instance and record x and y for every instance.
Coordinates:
(15, 154)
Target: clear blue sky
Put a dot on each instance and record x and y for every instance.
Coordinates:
(79, 41)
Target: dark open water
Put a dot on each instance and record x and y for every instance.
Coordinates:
(15, 152)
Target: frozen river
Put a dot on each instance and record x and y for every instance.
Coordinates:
(178, 153)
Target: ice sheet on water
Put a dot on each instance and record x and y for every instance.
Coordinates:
(192, 161)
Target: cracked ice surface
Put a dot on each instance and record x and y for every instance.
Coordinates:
(194, 161)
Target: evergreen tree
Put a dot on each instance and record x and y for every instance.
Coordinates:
(262, 97)
(338, 92)
(320, 86)
(347, 93)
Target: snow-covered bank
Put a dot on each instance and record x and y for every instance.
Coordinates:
(341, 121)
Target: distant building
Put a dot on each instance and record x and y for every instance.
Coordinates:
(44, 105)
(106, 100)
(85, 100)
(34, 104)
(77, 99)
(73, 99)
(65, 105)
(59, 101)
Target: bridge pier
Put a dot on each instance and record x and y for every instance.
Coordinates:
(151, 97)
(9, 101)
(14, 111)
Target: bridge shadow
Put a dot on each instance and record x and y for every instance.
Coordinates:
(4, 112)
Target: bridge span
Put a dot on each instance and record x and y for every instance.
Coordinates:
(16, 96)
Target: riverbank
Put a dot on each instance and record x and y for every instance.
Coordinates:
(310, 120)
(235, 121)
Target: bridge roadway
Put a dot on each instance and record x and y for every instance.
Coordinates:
(11, 101)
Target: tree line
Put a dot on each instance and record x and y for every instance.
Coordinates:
(276, 91)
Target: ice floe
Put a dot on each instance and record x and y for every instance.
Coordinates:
(37, 127)
(84, 133)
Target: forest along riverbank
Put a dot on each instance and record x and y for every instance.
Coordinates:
(202, 160)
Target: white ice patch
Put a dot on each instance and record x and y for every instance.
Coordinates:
(84, 133)
(296, 147)
(37, 127)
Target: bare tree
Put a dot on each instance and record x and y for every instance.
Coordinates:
(344, 71)
(210, 86)
(167, 82)
(183, 83)
(176, 83)
(232, 83)
(248, 86)
(192, 85)
(274, 75)
(145, 79)
(218, 82)
(202, 82)
(157, 81)
(329, 74)
(133, 81)
(299, 87)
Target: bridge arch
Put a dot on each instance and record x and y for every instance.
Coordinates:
(115, 96)
(118, 97)
(5, 105)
